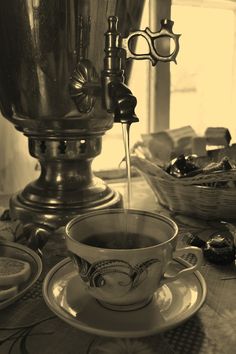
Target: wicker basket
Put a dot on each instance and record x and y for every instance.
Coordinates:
(191, 195)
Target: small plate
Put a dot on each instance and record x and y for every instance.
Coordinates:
(17, 251)
(172, 304)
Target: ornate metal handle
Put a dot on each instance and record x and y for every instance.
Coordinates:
(153, 55)
(118, 99)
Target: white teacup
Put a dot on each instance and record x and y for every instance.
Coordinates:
(122, 256)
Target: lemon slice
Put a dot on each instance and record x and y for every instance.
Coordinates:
(13, 271)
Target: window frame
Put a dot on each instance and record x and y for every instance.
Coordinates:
(159, 79)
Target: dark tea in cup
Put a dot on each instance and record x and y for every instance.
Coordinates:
(120, 240)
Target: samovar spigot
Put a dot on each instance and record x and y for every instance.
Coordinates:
(117, 97)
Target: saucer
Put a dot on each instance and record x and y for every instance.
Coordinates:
(171, 305)
(15, 250)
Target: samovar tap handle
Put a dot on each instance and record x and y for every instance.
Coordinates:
(166, 31)
(118, 98)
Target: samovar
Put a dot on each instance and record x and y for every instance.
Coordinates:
(62, 84)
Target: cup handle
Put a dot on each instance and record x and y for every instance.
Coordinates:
(178, 253)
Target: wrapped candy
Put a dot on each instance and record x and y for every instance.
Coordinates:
(220, 249)
(223, 165)
(183, 166)
(188, 166)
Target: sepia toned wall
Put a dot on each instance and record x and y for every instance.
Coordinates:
(17, 167)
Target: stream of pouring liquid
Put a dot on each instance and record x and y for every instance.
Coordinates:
(126, 139)
(126, 131)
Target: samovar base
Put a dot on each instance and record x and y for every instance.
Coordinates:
(42, 219)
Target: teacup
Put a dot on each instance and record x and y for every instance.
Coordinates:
(122, 256)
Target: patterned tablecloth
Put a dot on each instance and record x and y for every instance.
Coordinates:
(29, 327)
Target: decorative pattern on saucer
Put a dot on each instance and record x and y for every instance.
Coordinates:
(172, 304)
(105, 272)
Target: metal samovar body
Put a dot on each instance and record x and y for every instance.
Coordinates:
(54, 89)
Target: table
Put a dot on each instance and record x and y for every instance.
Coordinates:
(31, 328)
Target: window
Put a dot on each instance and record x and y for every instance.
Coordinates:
(203, 84)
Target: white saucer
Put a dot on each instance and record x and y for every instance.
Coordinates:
(15, 250)
(172, 304)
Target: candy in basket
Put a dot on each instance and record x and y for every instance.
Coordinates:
(189, 186)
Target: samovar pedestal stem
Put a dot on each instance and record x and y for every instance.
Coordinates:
(65, 188)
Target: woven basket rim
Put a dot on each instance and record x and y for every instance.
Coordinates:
(156, 171)
(191, 195)
(210, 187)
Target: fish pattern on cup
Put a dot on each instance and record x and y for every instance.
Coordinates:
(105, 272)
